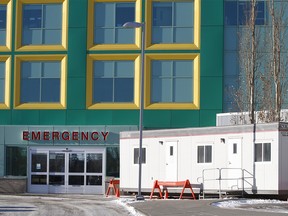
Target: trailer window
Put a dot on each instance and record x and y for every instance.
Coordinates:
(262, 152)
(204, 154)
(136, 155)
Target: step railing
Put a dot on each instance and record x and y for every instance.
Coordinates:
(241, 177)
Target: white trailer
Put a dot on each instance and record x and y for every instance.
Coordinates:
(251, 159)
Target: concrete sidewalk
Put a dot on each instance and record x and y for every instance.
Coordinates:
(192, 208)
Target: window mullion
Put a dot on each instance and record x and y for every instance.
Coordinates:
(114, 28)
(113, 81)
(42, 23)
(40, 87)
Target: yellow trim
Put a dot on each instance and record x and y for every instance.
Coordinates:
(8, 3)
(7, 60)
(194, 45)
(90, 34)
(18, 41)
(89, 81)
(17, 82)
(196, 81)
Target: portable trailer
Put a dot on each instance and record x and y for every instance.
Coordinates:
(251, 159)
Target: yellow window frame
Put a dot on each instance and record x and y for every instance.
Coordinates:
(63, 82)
(196, 82)
(194, 45)
(90, 34)
(89, 82)
(7, 60)
(19, 15)
(8, 3)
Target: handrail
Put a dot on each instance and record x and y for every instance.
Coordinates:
(219, 178)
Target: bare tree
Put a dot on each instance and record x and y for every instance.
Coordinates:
(277, 67)
(249, 61)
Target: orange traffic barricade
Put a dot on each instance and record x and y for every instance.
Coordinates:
(165, 184)
(114, 185)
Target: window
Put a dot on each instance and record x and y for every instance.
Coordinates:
(5, 25)
(173, 22)
(40, 80)
(105, 24)
(173, 81)
(109, 19)
(234, 148)
(237, 12)
(112, 81)
(204, 154)
(4, 82)
(112, 161)
(136, 155)
(262, 152)
(43, 23)
(16, 161)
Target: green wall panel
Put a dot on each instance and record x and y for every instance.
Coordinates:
(99, 117)
(77, 52)
(212, 12)
(211, 93)
(208, 117)
(25, 117)
(212, 51)
(54, 117)
(76, 93)
(157, 119)
(184, 118)
(77, 13)
(5, 117)
(76, 117)
(125, 117)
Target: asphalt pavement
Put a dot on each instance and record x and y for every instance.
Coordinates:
(194, 208)
(90, 205)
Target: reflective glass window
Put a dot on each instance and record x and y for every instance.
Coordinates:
(173, 22)
(136, 155)
(172, 81)
(40, 81)
(2, 82)
(94, 163)
(16, 161)
(108, 21)
(204, 154)
(113, 81)
(3, 17)
(42, 24)
(262, 152)
(76, 163)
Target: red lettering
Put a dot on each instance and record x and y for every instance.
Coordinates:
(25, 135)
(84, 136)
(65, 135)
(46, 135)
(36, 135)
(75, 135)
(105, 135)
(55, 135)
(93, 137)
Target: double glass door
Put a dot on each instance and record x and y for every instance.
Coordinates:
(67, 171)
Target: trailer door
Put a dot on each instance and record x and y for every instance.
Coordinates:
(234, 172)
(171, 158)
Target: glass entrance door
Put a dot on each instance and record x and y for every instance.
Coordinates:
(67, 171)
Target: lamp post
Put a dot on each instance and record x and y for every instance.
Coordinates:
(142, 26)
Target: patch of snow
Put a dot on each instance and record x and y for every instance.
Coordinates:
(125, 203)
(275, 206)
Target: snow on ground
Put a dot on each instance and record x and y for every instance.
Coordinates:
(265, 205)
(125, 203)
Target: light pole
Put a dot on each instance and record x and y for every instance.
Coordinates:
(142, 26)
